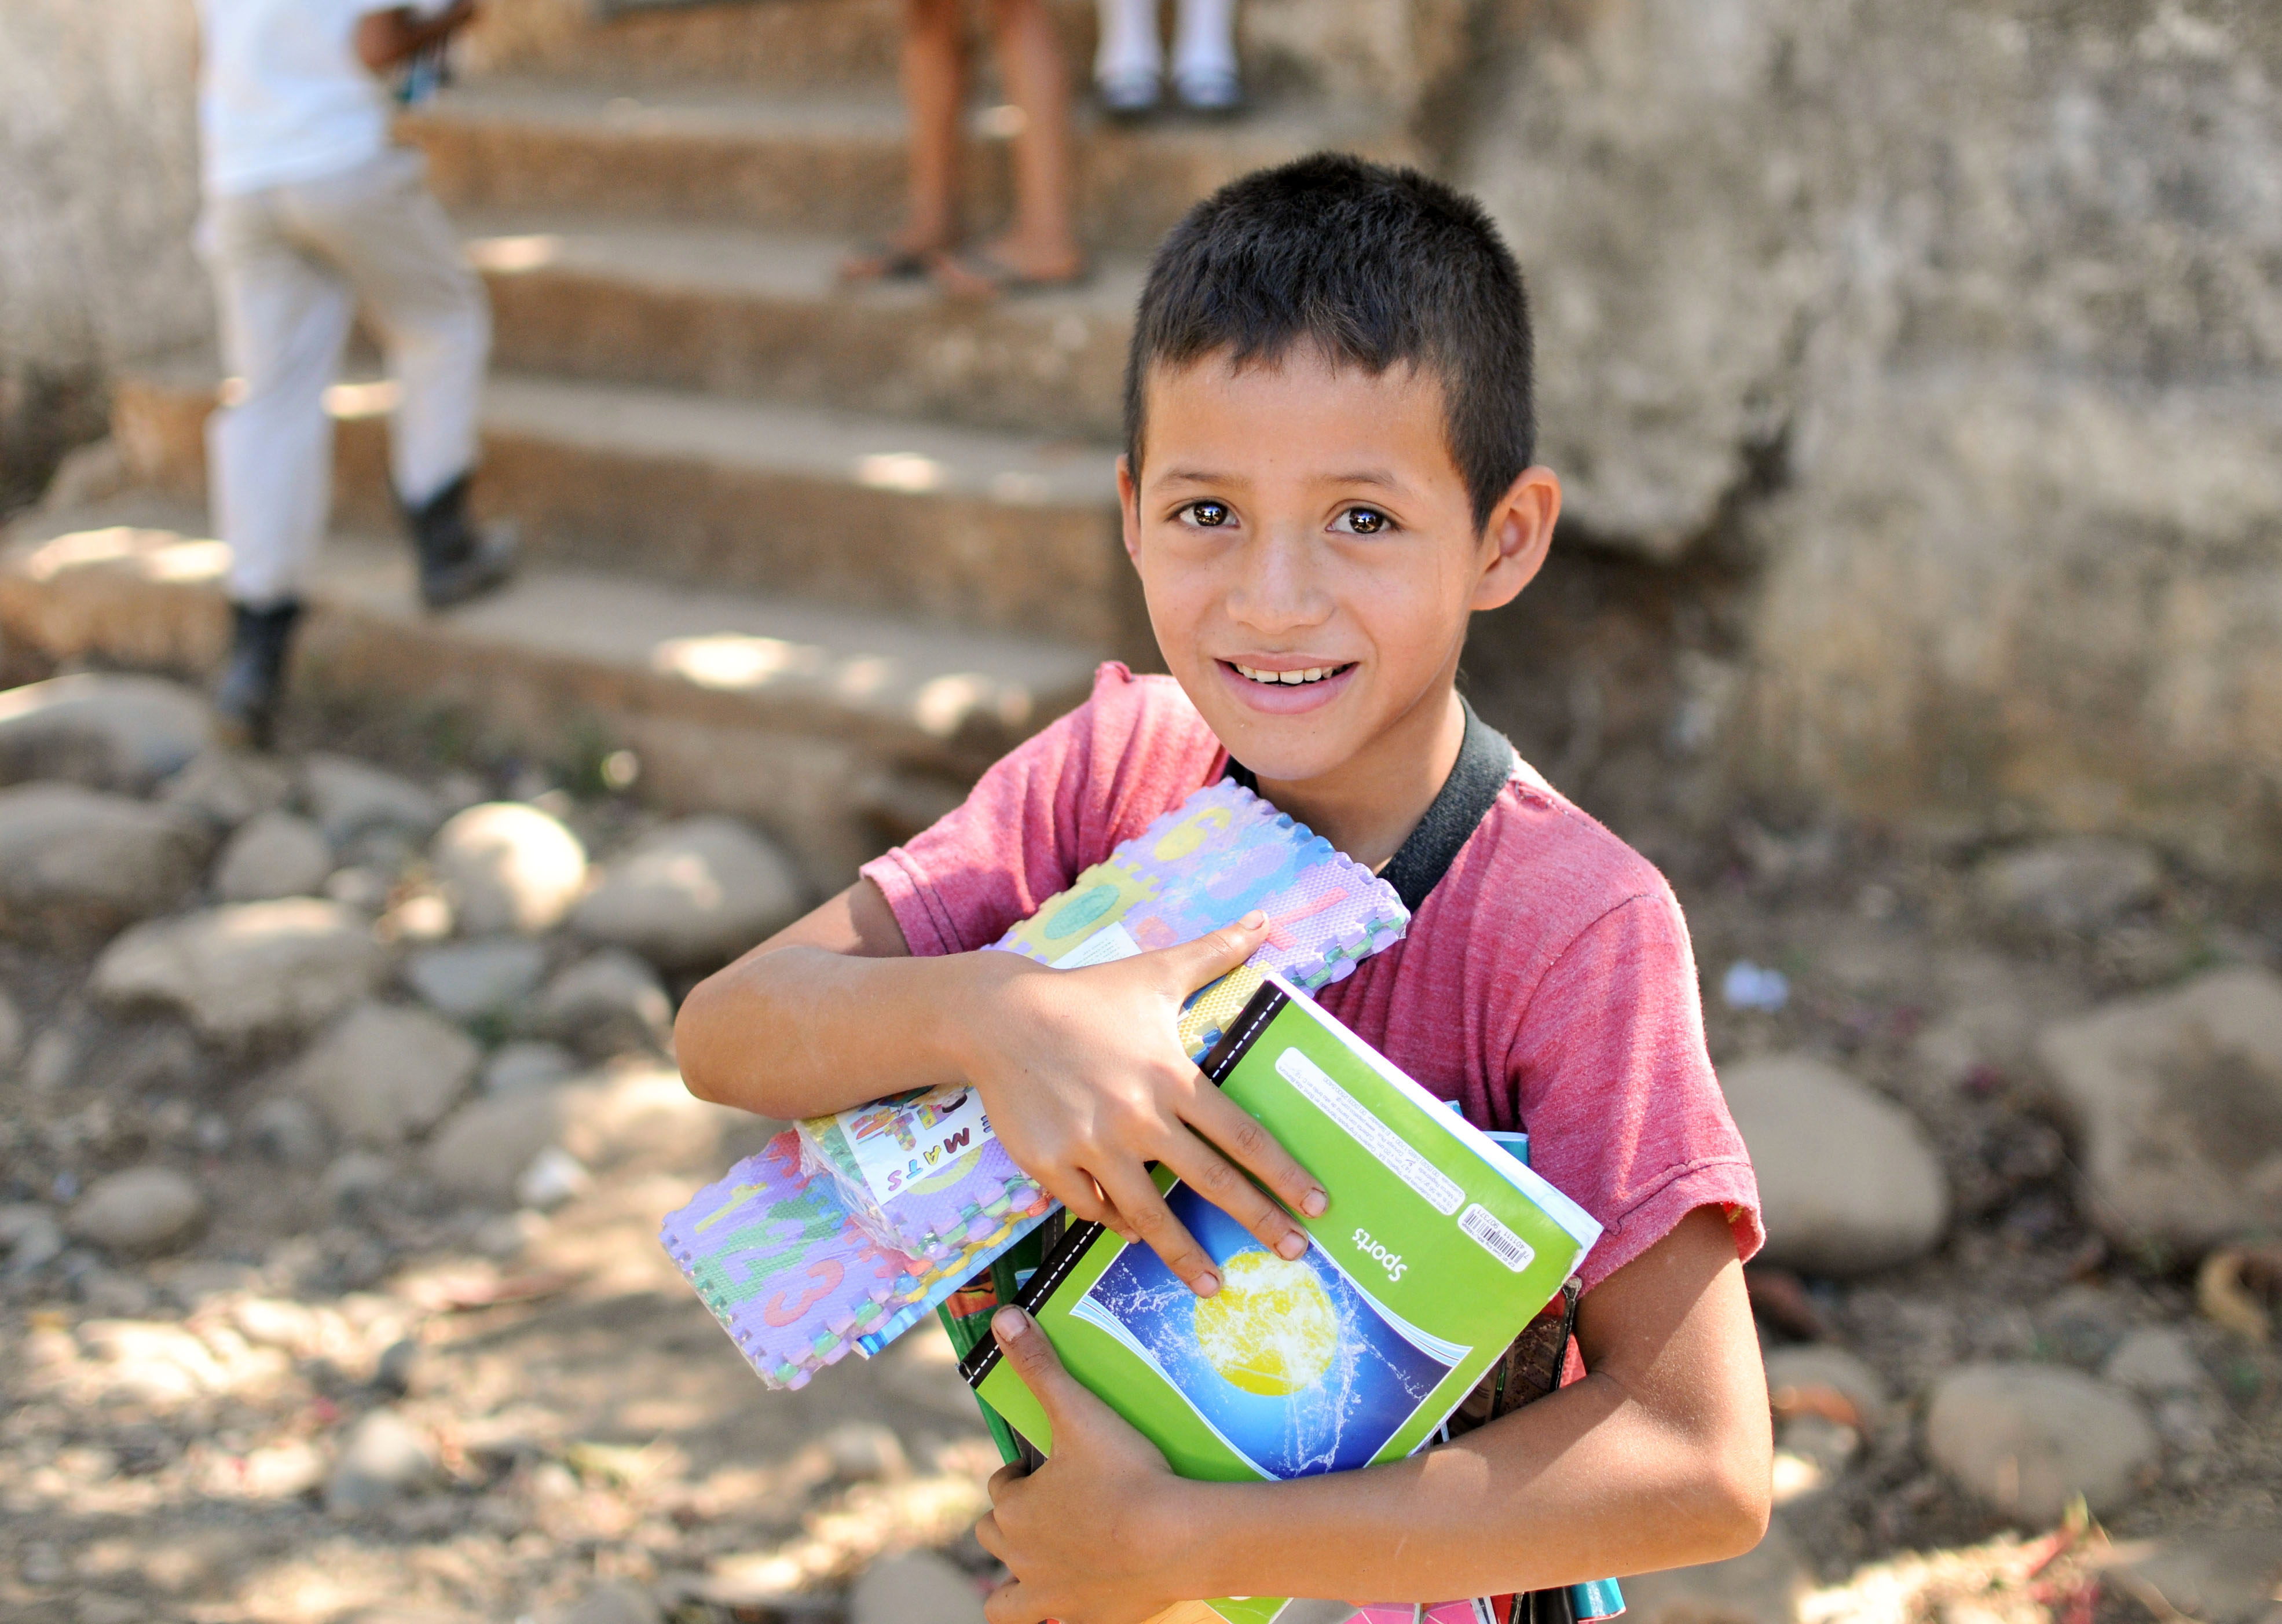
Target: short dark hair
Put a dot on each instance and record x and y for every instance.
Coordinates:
(1372, 264)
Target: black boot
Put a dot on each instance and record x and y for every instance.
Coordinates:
(245, 702)
(458, 561)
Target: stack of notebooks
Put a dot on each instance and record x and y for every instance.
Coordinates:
(1437, 1290)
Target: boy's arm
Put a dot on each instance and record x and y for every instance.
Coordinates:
(396, 32)
(1658, 1458)
(1081, 1070)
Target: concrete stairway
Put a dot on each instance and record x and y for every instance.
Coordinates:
(812, 551)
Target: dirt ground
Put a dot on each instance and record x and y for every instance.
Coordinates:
(170, 1424)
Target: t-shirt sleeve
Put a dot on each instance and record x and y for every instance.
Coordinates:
(1050, 808)
(1624, 1113)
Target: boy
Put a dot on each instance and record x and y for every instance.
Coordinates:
(310, 212)
(1327, 472)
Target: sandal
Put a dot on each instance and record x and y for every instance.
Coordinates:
(884, 262)
(978, 274)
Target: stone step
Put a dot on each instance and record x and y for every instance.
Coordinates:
(952, 525)
(822, 164)
(732, 310)
(837, 730)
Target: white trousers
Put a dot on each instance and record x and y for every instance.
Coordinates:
(291, 264)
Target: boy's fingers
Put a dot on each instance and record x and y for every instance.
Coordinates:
(1212, 955)
(1155, 1226)
(1204, 1170)
(1034, 1361)
(1240, 1137)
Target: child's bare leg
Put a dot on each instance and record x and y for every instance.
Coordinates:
(934, 95)
(1042, 247)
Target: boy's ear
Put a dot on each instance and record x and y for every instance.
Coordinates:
(1129, 509)
(1520, 534)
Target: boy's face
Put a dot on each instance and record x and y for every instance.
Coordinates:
(1308, 552)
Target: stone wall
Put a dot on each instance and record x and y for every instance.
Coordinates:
(98, 192)
(1959, 324)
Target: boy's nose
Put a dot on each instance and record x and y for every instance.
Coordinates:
(1277, 587)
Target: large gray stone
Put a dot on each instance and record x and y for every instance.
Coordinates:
(383, 1074)
(140, 1209)
(384, 1456)
(103, 731)
(273, 854)
(2153, 1361)
(2070, 884)
(2026, 1438)
(2176, 1100)
(78, 865)
(692, 894)
(914, 1587)
(468, 979)
(1848, 1182)
(527, 1063)
(2218, 1575)
(633, 1117)
(508, 866)
(248, 968)
(351, 799)
(606, 1003)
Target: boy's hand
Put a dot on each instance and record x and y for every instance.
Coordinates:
(1090, 1535)
(1084, 1076)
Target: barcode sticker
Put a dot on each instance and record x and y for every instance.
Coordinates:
(1499, 1241)
(1437, 1188)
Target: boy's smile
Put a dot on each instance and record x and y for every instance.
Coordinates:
(1309, 551)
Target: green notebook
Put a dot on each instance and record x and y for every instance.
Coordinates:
(1437, 1249)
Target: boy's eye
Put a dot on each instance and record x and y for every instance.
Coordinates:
(1362, 522)
(1211, 515)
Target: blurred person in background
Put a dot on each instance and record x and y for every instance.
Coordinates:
(1039, 250)
(1128, 67)
(311, 212)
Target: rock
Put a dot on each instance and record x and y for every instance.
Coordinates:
(246, 968)
(285, 1470)
(78, 865)
(635, 1116)
(11, 1033)
(384, 1456)
(2077, 884)
(482, 1150)
(553, 1176)
(526, 1064)
(273, 854)
(100, 730)
(914, 1587)
(225, 788)
(606, 1003)
(865, 1451)
(508, 866)
(692, 894)
(1796, 1375)
(398, 1370)
(2153, 1361)
(2027, 1438)
(141, 1209)
(1847, 1180)
(2176, 1100)
(289, 1131)
(1765, 1586)
(354, 1179)
(351, 799)
(468, 979)
(31, 1238)
(616, 1603)
(54, 1057)
(383, 1074)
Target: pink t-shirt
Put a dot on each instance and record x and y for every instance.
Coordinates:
(1546, 984)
